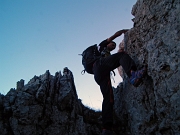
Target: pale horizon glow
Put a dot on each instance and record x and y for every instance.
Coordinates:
(36, 36)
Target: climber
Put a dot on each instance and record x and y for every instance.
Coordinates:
(101, 70)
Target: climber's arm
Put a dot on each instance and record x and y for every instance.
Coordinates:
(117, 34)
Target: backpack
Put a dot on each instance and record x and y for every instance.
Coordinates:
(89, 56)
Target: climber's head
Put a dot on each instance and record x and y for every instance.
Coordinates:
(111, 46)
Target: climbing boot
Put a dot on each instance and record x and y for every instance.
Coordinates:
(137, 76)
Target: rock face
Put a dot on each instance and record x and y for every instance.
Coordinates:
(47, 105)
(154, 107)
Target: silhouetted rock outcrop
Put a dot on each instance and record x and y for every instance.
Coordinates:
(47, 105)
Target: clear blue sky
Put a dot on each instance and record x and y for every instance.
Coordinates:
(40, 35)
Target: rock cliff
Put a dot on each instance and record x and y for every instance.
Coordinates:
(47, 105)
(154, 107)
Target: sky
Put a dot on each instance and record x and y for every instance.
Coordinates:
(40, 35)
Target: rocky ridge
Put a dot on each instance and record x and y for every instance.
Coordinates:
(47, 105)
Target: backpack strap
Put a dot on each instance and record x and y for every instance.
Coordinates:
(113, 73)
(83, 72)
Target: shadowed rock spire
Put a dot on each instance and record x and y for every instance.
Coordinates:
(46, 105)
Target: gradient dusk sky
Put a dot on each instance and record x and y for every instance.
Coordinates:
(40, 35)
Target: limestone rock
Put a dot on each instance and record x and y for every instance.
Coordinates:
(154, 107)
(46, 105)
